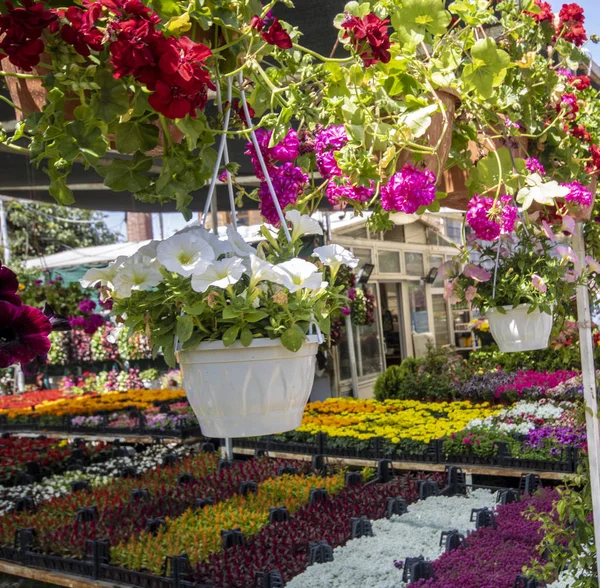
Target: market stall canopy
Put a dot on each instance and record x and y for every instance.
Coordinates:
(21, 180)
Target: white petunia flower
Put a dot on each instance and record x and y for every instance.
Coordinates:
(133, 275)
(103, 275)
(149, 250)
(302, 224)
(185, 254)
(260, 270)
(335, 256)
(297, 274)
(237, 243)
(220, 274)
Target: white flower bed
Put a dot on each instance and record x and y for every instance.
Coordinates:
(368, 562)
(98, 474)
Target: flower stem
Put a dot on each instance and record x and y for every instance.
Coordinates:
(21, 76)
(322, 57)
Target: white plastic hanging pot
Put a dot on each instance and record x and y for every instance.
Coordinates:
(242, 391)
(518, 329)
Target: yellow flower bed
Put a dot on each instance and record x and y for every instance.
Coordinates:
(391, 419)
(91, 404)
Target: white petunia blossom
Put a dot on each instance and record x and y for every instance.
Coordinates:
(237, 243)
(260, 270)
(149, 250)
(297, 274)
(302, 224)
(220, 274)
(104, 275)
(335, 256)
(185, 254)
(133, 275)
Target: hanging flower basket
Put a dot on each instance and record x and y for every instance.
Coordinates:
(247, 391)
(518, 329)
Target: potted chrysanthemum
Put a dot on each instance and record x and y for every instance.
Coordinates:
(519, 274)
(243, 323)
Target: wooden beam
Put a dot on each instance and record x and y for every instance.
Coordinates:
(414, 465)
(55, 577)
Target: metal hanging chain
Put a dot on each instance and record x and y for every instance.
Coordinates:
(263, 165)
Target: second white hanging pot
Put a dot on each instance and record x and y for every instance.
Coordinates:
(517, 329)
(242, 391)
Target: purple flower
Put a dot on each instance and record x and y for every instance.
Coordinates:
(289, 181)
(24, 334)
(578, 195)
(9, 284)
(345, 310)
(339, 194)
(489, 219)
(285, 151)
(538, 283)
(94, 322)
(87, 305)
(534, 166)
(470, 293)
(38, 282)
(327, 142)
(408, 190)
(107, 304)
(77, 321)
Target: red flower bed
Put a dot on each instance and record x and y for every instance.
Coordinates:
(29, 399)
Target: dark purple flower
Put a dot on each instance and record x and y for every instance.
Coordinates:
(9, 284)
(288, 182)
(87, 306)
(58, 322)
(107, 304)
(77, 321)
(327, 142)
(94, 322)
(24, 334)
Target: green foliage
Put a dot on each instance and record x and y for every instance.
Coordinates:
(38, 229)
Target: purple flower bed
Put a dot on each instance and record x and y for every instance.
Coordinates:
(494, 557)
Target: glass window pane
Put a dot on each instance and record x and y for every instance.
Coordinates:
(414, 264)
(389, 262)
(394, 234)
(434, 262)
(367, 342)
(344, 355)
(364, 256)
(419, 319)
(440, 320)
(358, 233)
(390, 319)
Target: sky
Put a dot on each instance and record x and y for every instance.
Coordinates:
(174, 221)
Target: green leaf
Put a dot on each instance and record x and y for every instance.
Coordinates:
(58, 186)
(178, 25)
(185, 327)
(417, 18)
(169, 353)
(325, 324)
(255, 316)
(194, 340)
(230, 335)
(166, 8)
(292, 339)
(418, 121)
(488, 69)
(111, 100)
(195, 309)
(230, 313)
(88, 139)
(127, 175)
(474, 12)
(194, 129)
(246, 337)
(281, 127)
(132, 136)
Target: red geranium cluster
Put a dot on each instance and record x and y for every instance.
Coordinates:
(545, 13)
(22, 29)
(369, 37)
(571, 19)
(272, 31)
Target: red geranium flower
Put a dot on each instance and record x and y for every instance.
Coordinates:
(581, 82)
(571, 19)
(170, 101)
(82, 33)
(580, 132)
(369, 36)
(545, 11)
(180, 58)
(272, 31)
(9, 284)
(595, 153)
(24, 334)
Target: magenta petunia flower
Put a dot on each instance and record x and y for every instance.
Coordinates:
(289, 182)
(24, 334)
(341, 193)
(87, 305)
(491, 219)
(9, 284)
(408, 190)
(327, 142)
(578, 195)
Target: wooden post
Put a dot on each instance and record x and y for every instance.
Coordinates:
(588, 371)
